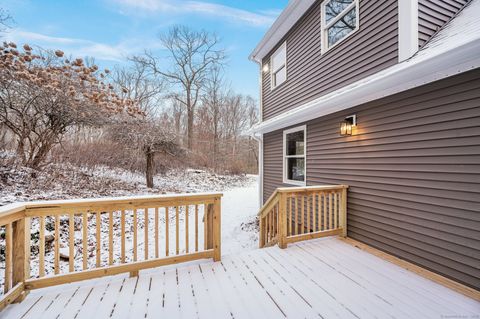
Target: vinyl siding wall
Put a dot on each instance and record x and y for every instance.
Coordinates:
(434, 14)
(310, 74)
(413, 167)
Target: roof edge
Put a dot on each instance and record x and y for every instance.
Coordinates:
(410, 74)
(285, 21)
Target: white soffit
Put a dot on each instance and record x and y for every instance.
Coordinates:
(455, 49)
(287, 19)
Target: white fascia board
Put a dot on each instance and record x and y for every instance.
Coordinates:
(287, 19)
(422, 69)
(407, 29)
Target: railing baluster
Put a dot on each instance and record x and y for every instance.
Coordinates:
(289, 219)
(41, 251)
(123, 235)
(308, 214)
(196, 228)
(85, 239)
(57, 245)
(8, 257)
(71, 242)
(135, 231)
(186, 228)
(177, 230)
(314, 212)
(167, 246)
(145, 216)
(335, 210)
(99, 239)
(330, 210)
(324, 211)
(110, 237)
(156, 233)
(303, 214)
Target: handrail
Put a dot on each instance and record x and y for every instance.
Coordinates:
(102, 249)
(299, 213)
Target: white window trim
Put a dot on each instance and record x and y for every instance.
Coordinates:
(325, 26)
(284, 155)
(283, 46)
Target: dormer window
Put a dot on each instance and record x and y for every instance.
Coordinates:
(339, 20)
(278, 68)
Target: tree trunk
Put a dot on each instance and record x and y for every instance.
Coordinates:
(190, 128)
(150, 156)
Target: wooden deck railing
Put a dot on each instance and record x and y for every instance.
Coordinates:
(123, 222)
(294, 214)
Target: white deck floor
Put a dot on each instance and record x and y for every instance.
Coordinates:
(324, 278)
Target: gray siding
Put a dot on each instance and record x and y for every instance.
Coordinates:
(414, 172)
(310, 75)
(434, 14)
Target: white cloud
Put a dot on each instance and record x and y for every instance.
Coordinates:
(263, 19)
(81, 47)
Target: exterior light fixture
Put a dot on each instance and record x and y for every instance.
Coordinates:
(266, 68)
(346, 127)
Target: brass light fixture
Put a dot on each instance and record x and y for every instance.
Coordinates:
(346, 127)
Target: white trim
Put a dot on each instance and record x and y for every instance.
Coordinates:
(324, 27)
(452, 51)
(407, 29)
(287, 19)
(285, 157)
(275, 71)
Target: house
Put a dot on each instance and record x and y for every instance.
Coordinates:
(383, 96)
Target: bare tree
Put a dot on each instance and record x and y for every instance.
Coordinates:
(213, 100)
(5, 20)
(149, 137)
(192, 54)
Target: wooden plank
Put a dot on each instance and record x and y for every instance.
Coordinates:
(196, 227)
(110, 237)
(335, 210)
(7, 285)
(123, 235)
(12, 295)
(289, 220)
(125, 297)
(318, 234)
(186, 228)
(56, 244)
(302, 215)
(99, 239)
(156, 234)
(135, 234)
(85, 240)
(41, 248)
(344, 212)
(167, 236)
(71, 242)
(157, 291)
(145, 231)
(309, 217)
(314, 212)
(464, 290)
(115, 270)
(330, 211)
(177, 231)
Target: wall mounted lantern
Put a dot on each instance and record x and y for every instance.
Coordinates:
(346, 127)
(266, 68)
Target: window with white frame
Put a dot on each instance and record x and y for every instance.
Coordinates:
(294, 155)
(339, 20)
(278, 66)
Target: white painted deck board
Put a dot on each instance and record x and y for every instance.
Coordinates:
(323, 278)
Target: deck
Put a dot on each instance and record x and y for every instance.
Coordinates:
(322, 278)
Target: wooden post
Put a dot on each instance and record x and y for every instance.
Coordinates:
(209, 227)
(217, 230)
(282, 221)
(344, 212)
(261, 241)
(21, 254)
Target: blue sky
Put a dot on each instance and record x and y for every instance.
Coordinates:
(110, 30)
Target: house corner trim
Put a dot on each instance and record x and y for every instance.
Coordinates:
(407, 29)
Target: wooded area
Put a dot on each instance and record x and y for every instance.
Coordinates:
(154, 112)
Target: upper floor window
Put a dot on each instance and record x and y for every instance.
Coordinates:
(278, 66)
(294, 155)
(339, 20)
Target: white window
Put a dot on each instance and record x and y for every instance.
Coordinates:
(278, 66)
(294, 156)
(339, 20)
